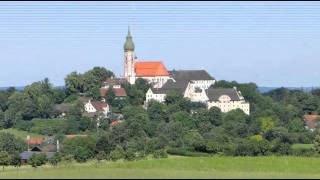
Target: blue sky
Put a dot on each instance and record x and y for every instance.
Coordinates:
(269, 43)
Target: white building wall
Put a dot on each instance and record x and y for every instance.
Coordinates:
(151, 96)
(231, 105)
(89, 107)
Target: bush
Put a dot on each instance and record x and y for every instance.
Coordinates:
(281, 148)
(117, 153)
(130, 155)
(186, 152)
(55, 159)
(24, 125)
(303, 152)
(37, 160)
(252, 148)
(160, 154)
(80, 148)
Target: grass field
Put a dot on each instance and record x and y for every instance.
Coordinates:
(180, 167)
(302, 146)
(21, 134)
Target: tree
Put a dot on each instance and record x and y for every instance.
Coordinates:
(2, 122)
(101, 155)
(173, 97)
(3, 100)
(10, 144)
(142, 85)
(184, 118)
(215, 115)
(81, 148)
(37, 160)
(95, 77)
(296, 125)
(73, 119)
(15, 160)
(59, 95)
(4, 159)
(104, 144)
(94, 92)
(117, 153)
(266, 124)
(55, 159)
(317, 143)
(74, 83)
(110, 96)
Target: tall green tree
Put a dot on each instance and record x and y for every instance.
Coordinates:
(4, 159)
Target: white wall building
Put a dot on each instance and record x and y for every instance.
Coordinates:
(190, 85)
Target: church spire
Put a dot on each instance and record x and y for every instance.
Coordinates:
(129, 45)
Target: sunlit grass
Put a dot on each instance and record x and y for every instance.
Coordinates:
(180, 167)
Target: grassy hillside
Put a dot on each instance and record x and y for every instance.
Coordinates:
(21, 134)
(181, 167)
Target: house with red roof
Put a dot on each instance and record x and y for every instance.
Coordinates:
(153, 71)
(311, 121)
(35, 141)
(116, 86)
(95, 108)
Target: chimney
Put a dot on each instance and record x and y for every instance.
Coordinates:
(58, 146)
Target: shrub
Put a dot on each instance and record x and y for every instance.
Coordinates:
(117, 153)
(303, 152)
(160, 154)
(55, 159)
(80, 148)
(186, 152)
(130, 154)
(38, 160)
(101, 155)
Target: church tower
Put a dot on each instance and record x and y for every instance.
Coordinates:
(129, 58)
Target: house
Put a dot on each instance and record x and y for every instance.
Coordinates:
(227, 99)
(115, 123)
(153, 72)
(311, 121)
(35, 141)
(119, 92)
(62, 109)
(71, 136)
(26, 155)
(95, 108)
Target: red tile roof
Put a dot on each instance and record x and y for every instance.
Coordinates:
(311, 117)
(116, 122)
(35, 141)
(150, 69)
(70, 136)
(119, 92)
(99, 105)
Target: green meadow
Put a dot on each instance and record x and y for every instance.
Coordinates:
(179, 167)
(21, 134)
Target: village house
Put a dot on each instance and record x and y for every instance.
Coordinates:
(95, 108)
(116, 85)
(311, 121)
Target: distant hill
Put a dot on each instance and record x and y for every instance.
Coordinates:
(20, 88)
(267, 89)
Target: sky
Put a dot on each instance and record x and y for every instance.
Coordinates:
(268, 43)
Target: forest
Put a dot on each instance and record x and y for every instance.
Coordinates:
(177, 127)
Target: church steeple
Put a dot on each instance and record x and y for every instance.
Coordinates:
(129, 45)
